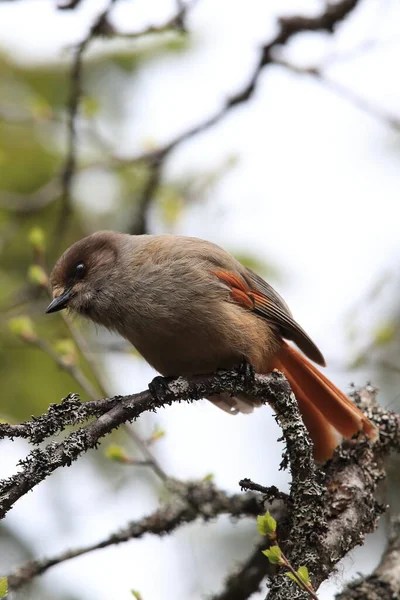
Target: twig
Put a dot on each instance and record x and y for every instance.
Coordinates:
(29, 203)
(101, 27)
(345, 92)
(205, 502)
(271, 492)
(68, 5)
(72, 369)
(139, 224)
(70, 411)
(246, 579)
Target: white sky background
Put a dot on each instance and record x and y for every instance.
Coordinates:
(315, 191)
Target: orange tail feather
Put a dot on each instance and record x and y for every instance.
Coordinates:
(324, 408)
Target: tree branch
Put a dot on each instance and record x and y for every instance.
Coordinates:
(246, 579)
(337, 520)
(328, 512)
(194, 500)
(100, 28)
(287, 28)
(40, 463)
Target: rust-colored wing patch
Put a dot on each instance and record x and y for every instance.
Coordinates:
(240, 291)
(249, 293)
(234, 280)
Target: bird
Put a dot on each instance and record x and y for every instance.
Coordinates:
(189, 308)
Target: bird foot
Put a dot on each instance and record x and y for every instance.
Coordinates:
(246, 371)
(159, 389)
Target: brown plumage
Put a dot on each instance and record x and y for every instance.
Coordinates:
(189, 307)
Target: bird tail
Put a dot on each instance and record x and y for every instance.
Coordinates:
(327, 412)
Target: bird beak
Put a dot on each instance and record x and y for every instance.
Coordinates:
(60, 301)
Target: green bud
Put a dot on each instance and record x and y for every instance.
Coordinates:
(37, 276)
(37, 239)
(67, 351)
(114, 452)
(136, 594)
(157, 434)
(23, 328)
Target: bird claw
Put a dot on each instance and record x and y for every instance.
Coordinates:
(246, 371)
(159, 389)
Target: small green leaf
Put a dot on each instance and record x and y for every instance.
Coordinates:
(266, 525)
(302, 572)
(157, 434)
(67, 351)
(274, 555)
(23, 328)
(114, 452)
(37, 275)
(208, 477)
(37, 239)
(3, 587)
(136, 594)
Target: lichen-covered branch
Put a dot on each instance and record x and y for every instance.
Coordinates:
(328, 512)
(194, 500)
(41, 462)
(338, 519)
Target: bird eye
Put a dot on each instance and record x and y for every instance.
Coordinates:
(80, 270)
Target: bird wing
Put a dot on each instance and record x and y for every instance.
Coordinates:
(250, 291)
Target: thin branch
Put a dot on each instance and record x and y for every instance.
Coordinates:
(173, 24)
(32, 202)
(70, 368)
(70, 411)
(72, 114)
(287, 28)
(196, 500)
(139, 224)
(344, 91)
(247, 579)
(100, 28)
(271, 492)
(68, 4)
